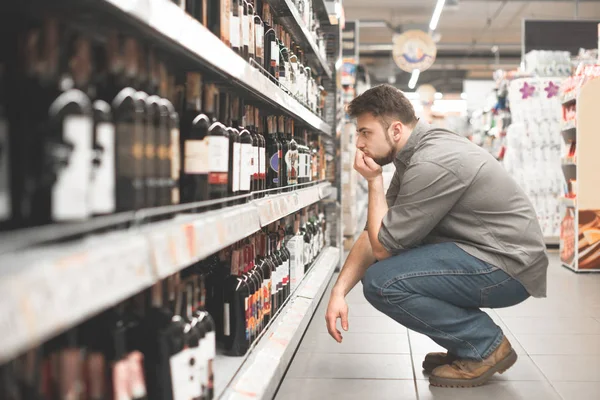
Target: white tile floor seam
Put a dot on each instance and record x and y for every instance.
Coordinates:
(557, 340)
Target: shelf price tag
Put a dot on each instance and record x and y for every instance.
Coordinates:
(162, 255)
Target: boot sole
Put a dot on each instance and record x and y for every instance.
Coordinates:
(500, 368)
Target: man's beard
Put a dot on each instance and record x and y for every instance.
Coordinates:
(383, 161)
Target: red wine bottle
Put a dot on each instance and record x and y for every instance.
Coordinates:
(217, 143)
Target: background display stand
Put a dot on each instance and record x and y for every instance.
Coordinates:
(580, 227)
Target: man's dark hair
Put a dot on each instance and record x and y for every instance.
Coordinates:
(384, 102)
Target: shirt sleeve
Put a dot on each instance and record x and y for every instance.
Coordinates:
(391, 194)
(427, 193)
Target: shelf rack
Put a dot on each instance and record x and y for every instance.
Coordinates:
(49, 288)
(580, 227)
(167, 21)
(287, 12)
(261, 370)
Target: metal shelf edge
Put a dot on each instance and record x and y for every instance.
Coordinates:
(171, 21)
(188, 238)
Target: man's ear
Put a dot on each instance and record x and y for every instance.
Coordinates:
(397, 129)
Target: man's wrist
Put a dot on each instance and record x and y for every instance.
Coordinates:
(376, 180)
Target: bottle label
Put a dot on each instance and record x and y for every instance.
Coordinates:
(235, 31)
(247, 315)
(196, 157)
(103, 185)
(262, 163)
(198, 374)
(219, 160)
(237, 150)
(246, 31)
(202, 361)
(226, 323)
(246, 166)
(137, 383)
(260, 41)
(254, 162)
(225, 20)
(291, 160)
(120, 380)
(70, 193)
(175, 165)
(274, 53)
(5, 198)
(267, 296)
(180, 375)
(211, 342)
(274, 164)
(251, 36)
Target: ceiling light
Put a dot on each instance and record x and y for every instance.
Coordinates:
(338, 64)
(437, 12)
(439, 96)
(414, 78)
(494, 49)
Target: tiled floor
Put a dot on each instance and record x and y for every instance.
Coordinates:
(557, 339)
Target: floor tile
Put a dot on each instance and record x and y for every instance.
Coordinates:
(382, 324)
(569, 368)
(492, 390)
(523, 370)
(347, 389)
(552, 326)
(364, 310)
(578, 390)
(560, 344)
(366, 343)
(351, 366)
(356, 296)
(422, 344)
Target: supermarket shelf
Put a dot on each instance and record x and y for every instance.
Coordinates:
(569, 134)
(573, 268)
(170, 21)
(288, 13)
(568, 201)
(321, 11)
(258, 374)
(552, 240)
(568, 161)
(51, 288)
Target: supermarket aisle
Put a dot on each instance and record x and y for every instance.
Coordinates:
(558, 341)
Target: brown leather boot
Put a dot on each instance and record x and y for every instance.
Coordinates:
(470, 373)
(434, 360)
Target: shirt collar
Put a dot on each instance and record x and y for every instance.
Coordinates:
(408, 150)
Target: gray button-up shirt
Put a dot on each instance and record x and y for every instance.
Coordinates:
(447, 189)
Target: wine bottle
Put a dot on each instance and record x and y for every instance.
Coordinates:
(262, 143)
(244, 21)
(246, 167)
(218, 146)
(194, 128)
(291, 158)
(235, 27)
(236, 328)
(274, 153)
(207, 324)
(5, 153)
(103, 189)
(285, 147)
(174, 152)
(271, 46)
(218, 19)
(255, 162)
(259, 41)
(64, 185)
(251, 33)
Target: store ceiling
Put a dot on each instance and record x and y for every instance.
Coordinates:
(468, 28)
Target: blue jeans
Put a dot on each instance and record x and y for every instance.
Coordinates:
(437, 290)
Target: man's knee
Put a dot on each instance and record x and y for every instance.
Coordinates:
(373, 285)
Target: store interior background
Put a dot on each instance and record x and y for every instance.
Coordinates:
(87, 299)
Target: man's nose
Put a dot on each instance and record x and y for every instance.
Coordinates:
(360, 144)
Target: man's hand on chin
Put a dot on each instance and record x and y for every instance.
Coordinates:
(366, 166)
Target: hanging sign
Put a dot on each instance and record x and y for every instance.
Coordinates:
(414, 49)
